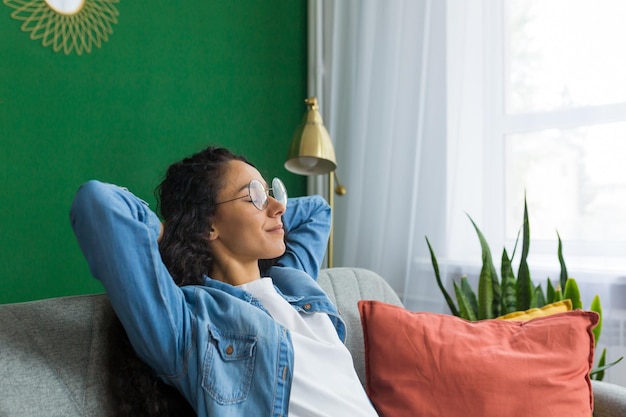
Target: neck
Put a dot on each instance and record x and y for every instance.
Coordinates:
(236, 273)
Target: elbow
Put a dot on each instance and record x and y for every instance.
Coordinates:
(88, 193)
(89, 197)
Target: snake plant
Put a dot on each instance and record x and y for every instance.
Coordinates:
(496, 296)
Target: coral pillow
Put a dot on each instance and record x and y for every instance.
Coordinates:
(427, 365)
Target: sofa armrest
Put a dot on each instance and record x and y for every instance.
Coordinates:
(609, 399)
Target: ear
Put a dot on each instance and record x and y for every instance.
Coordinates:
(161, 233)
(213, 233)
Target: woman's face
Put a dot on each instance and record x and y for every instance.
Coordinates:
(241, 232)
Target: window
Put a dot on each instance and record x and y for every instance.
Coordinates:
(556, 121)
(536, 105)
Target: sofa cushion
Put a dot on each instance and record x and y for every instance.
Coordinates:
(436, 365)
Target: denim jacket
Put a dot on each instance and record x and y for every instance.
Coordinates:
(214, 342)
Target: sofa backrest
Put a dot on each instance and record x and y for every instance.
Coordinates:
(53, 353)
(53, 357)
(345, 287)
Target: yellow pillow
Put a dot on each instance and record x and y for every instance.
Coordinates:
(548, 309)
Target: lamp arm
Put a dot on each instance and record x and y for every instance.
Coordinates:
(339, 189)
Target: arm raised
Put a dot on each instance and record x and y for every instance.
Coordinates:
(307, 221)
(117, 234)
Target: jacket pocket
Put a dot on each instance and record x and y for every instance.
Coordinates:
(228, 366)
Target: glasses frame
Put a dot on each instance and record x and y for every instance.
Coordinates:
(276, 184)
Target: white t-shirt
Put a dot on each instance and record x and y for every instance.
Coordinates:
(325, 383)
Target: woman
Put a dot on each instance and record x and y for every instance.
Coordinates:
(191, 296)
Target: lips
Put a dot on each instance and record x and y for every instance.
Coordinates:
(276, 229)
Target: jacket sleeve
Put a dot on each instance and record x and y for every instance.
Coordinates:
(117, 234)
(307, 222)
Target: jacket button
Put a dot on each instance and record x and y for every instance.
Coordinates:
(230, 350)
(307, 306)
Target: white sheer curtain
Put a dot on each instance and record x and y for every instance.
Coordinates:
(382, 90)
(402, 85)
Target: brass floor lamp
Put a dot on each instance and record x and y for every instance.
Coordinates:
(312, 153)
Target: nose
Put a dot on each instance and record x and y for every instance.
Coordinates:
(275, 207)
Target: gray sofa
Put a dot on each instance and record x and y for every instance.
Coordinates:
(52, 352)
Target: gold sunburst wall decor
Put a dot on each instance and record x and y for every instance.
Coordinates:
(66, 25)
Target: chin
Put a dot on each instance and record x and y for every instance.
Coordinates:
(278, 252)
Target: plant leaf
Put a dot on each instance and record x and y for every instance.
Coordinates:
(573, 293)
(539, 300)
(558, 295)
(449, 300)
(597, 307)
(598, 372)
(469, 295)
(488, 296)
(516, 242)
(485, 293)
(550, 292)
(524, 284)
(508, 304)
(563, 276)
(465, 308)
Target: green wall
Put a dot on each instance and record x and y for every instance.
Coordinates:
(173, 78)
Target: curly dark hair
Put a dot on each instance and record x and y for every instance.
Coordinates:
(187, 202)
(135, 389)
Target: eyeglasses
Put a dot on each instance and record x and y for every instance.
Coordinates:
(259, 194)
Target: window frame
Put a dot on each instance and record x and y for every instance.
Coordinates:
(499, 124)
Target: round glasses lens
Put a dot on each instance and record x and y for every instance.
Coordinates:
(258, 195)
(279, 191)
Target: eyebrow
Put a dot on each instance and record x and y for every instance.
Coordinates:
(242, 188)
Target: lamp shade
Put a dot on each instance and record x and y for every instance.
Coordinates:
(311, 151)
